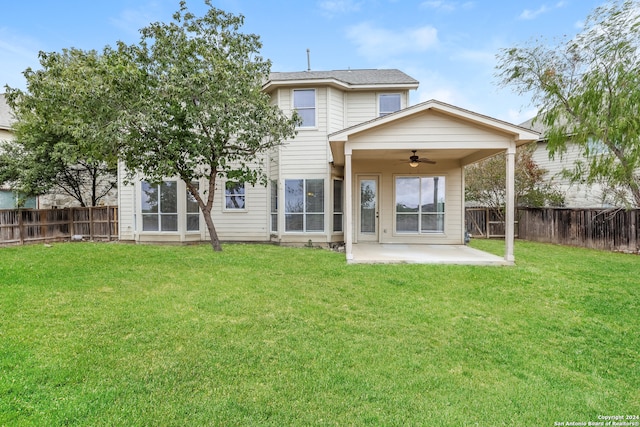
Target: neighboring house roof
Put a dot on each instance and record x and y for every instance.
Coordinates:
(345, 79)
(535, 125)
(6, 116)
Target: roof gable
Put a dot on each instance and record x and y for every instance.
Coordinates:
(521, 134)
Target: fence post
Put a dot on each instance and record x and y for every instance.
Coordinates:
(487, 221)
(43, 224)
(91, 223)
(633, 234)
(21, 226)
(71, 223)
(108, 223)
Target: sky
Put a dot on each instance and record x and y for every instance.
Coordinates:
(449, 46)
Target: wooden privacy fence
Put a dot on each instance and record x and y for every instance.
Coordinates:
(23, 226)
(486, 223)
(607, 229)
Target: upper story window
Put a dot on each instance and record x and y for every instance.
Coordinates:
(234, 195)
(388, 103)
(304, 102)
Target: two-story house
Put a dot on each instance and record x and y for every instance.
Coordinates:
(576, 195)
(364, 168)
(56, 197)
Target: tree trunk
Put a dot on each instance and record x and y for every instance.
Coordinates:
(215, 242)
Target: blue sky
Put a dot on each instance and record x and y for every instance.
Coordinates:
(447, 45)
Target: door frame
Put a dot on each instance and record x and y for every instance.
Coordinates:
(367, 237)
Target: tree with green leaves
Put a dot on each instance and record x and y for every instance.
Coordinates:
(587, 91)
(192, 106)
(485, 182)
(62, 140)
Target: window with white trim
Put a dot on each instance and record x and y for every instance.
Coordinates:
(193, 211)
(388, 103)
(420, 204)
(304, 102)
(159, 206)
(304, 205)
(234, 195)
(274, 205)
(338, 185)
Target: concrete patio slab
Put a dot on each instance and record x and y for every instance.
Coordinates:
(373, 253)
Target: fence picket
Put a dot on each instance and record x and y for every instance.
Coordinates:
(21, 226)
(606, 229)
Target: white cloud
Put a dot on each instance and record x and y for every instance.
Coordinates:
(484, 57)
(440, 5)
(446, 5)
(132, 20)
(379, 43)
(519, 116)
(528, 14)
(18, 53)
(433, 85)
(334, 7)
(533, 14)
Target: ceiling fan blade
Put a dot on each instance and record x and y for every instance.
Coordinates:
(423, 160)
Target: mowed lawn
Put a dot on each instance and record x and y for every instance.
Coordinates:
(126, 335)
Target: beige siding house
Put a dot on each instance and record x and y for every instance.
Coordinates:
(8, 199)
(575, 195)
(56, 198)
(349, 175)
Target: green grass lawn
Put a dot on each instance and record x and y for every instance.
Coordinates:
(114, 334)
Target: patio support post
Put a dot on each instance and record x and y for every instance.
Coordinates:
(348, 231)
(510, 205)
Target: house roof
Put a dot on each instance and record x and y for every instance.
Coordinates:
(345, 79)
(521, 133)
(6, 116)
(464, 150)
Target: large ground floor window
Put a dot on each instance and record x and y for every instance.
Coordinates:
(193, 210)
(304, 205)
(420, 204)
(159, 206)
(337, 205)
(273, 202)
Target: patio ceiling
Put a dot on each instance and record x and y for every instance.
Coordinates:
(402, 155)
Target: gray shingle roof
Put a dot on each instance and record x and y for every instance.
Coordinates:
(537, 126)
(350, 77)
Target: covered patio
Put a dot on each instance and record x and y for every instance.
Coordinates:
(381, 253)
(397, 211)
